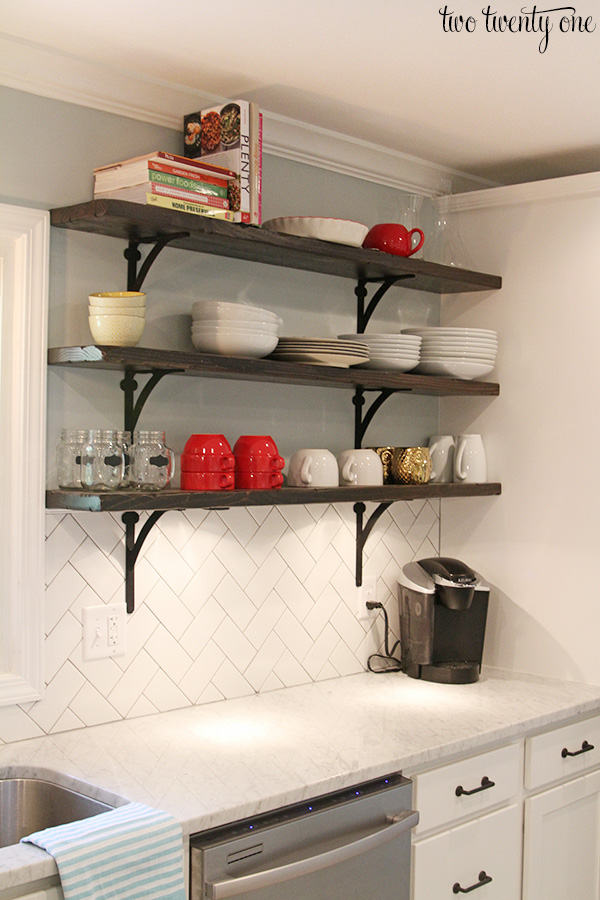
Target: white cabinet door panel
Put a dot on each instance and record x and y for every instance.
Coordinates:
(562, 842)
(490, 845)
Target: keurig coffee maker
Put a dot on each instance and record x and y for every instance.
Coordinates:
(443, 611)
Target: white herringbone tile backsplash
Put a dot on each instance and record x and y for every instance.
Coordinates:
(228, 603)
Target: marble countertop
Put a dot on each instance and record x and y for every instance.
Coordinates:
(223, 761)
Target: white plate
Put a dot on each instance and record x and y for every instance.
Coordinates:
(458, 369)
(382, 338)
(321, 359)
(454, 332)
(337, 231)
(392, 355)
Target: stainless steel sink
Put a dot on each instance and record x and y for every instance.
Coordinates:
(31, 804)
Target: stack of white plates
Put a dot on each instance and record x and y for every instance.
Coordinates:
(465, 353)
(400, 352)
(321, 351)
(234, 329)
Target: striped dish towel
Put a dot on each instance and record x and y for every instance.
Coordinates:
(130, 853)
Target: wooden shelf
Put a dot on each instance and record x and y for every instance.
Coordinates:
(206, 365)
(122, 501)
(134, 221)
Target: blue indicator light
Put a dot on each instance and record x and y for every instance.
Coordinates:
(310, 808)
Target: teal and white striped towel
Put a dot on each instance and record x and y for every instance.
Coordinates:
(130, 853)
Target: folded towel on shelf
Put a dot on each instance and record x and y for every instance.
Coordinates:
(130, 853)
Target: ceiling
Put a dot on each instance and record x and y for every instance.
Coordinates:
(383, 71)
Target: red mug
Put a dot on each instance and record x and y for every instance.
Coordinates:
(212, 462)
(259, 464)
(393, 238)
(206, 481)
(206, 445)
(257, 445)
(258, 480)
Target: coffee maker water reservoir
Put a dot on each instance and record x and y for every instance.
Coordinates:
(443, 612)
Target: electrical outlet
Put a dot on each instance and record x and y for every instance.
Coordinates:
(103, 631)
(366, 593)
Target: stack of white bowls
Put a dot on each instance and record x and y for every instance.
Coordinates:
(234, 329)
(400, 352)
(465, 353)
(117, 318)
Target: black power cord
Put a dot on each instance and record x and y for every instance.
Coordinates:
(389, 662)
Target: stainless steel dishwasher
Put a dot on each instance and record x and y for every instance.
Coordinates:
(352, 844)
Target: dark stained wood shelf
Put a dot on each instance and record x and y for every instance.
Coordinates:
(137, 222)
(207, 365)
(121, 501)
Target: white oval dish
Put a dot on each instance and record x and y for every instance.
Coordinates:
(337, 231)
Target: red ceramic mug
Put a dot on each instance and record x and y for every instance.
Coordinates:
(258, 480)
(206, 445)
(212, 462)
(259, 464)
(207, 481)
(393, 238)
(256, 445)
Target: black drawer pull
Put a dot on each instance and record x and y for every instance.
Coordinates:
(485, 785)
(584, 749)
(483, 879)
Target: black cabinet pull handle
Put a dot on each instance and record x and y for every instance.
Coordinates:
(485, 785)
(483, 879)
(585, 747)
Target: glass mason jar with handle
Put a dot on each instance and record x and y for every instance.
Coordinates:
(102, 462)
(152, 463)
(68, 459)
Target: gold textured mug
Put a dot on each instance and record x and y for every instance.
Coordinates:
(411, 465)
(385, 454)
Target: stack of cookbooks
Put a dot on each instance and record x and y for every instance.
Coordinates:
(172, 182)
(230, 135)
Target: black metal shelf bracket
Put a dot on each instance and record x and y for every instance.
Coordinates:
(133, 547)
(132, 254)
(129, 385)
(364, 530)
(364, 314)
(362, 422)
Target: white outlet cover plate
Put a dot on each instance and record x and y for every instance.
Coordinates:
(96, 631)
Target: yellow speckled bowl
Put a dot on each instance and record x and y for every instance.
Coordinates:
(118, 298)
(117, 311)
(117, 331)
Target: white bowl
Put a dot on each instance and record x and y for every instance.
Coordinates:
(118, 298)
(250, 328)
(337, 231)
(453, 342)
(232, 312)
(252, 345)
(117, 331)
(117, 311)
(457, 369)
(399, 364)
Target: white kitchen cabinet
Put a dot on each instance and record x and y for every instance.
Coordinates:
(562, 821)
(542, 842)
(484, 854)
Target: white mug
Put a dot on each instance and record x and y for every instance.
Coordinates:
(441, 450)
(313, 468)
(360, 467)
(469, 462)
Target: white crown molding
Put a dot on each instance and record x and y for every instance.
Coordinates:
(570, 186)
(41, 70)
